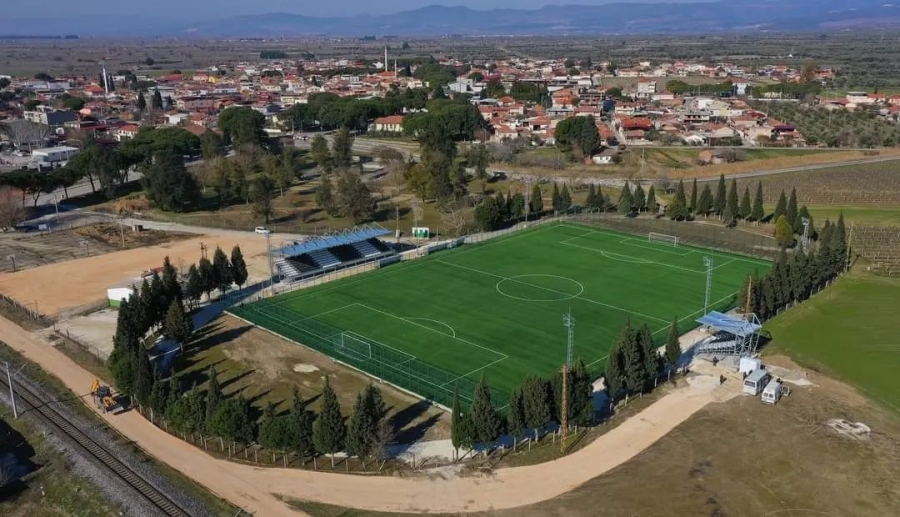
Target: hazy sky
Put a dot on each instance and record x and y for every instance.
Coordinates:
(207, 9)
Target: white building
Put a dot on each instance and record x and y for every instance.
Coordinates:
(51, 155)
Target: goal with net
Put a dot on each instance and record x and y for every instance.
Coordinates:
(662, 238)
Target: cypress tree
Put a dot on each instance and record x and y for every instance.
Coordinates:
(780, 207)
(582, 398)
(565, 199)
(170, 282)
(720, 200)
(143, 377)
(640, 198)
(839, 244)
(300, 426)
(679, 194)
(732, 204)
(536, 398)
(693, 204)
(213, 396)
(626, 201)
(673, 348)
(456, 425)
(222, 268)
(648, 354)
(536, 203)
(632, 359)
(784, 234)
(757, 213)
(791, 212)
(591, 200)
(705, 203)
(614, 375)
(141, 102)
(178, 325)
(600, 199)
(554, 198)
(744, 210)
(238, 267)
(266, 436)
(193, 288)
(159, 395)
(359, 440)
(158, 300)
(651, 200)
(515, 416)
(329, 431)
(484, 417)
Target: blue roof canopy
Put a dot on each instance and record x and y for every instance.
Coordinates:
(329, 241)
(730, 324)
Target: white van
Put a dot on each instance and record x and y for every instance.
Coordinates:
(772, 393)
(756, 382)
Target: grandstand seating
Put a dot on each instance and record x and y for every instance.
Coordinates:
(345, 253)
(286, 268)
(366, 248)
(324, 258)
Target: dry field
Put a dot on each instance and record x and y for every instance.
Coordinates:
(743, 458)
(74, 285)
(38, 249)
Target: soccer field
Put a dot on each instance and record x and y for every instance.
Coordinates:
(496, 308)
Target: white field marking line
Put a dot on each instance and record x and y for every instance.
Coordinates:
(452, 332)
(597, 361)
(476, 370)
(301, 294)
(634, 260)
(628, 242)
(722, 265)
(433, 330)
(553, 291)
(301, 320)
(694, 249)
(568, 297)
(689, 316)
(368, 341)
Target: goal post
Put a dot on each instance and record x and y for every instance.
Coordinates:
(352, 345)
(662, 238)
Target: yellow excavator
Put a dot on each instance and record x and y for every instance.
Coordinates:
(103, 397)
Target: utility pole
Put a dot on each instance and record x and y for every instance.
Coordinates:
(271, 263)
(56, 204)
(12, 394)
(708, 262)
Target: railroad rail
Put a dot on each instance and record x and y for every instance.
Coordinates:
(82, 440)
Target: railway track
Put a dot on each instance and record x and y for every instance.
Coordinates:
(83, 441)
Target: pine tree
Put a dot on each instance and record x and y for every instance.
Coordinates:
(554, 198)
(238, 267)
(651, 200)
(157, 101)
(487, 423)
(780, 207)
(159, 301)
(720, 200)
(640, 198)
(208, 276)
(143, 378)
(536, 398)
(223, 270)
(178, 325)
(359, 441)
(141, 102)
(784, 234)
(329, 431)
(193, 288)
(515, 415)
(600, 199)
(267, 437)
(791, 212)
(705, 203)
(614, 375)
(456, 423)
(213, 396)
(757, 213)
(170, 282)
(300, 427)
(732, 204)
(581, 400)
(679, 194)
(536, 203)
(232, 420)
(159, 395)
(565, 199)
(693, 204)
(744, 210)
(673, 347)
(626, 201)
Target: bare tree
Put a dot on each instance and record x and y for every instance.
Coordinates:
(455, 216)
(23, 133)
(12, 207)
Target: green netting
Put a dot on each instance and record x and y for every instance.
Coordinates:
(370, 356)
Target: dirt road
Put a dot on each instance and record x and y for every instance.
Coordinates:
(257, 490)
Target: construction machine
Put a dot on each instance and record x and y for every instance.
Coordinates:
(103, 397)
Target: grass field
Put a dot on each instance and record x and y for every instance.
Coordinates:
(496, 308)
(848, 331)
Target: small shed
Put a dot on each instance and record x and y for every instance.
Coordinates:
(115, 295)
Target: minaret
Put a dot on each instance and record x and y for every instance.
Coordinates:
(385, 59)
(105, 79)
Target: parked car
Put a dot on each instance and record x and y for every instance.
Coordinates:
(263, 230)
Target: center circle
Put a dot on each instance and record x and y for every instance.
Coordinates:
(540, 288)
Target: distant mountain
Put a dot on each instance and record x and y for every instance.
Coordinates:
(613, 18)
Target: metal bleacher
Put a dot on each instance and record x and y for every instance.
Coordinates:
(733, 334)
(322, 254)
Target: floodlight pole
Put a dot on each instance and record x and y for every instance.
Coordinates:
(708, 262)
(569, 323)
(271, 263)
(805, 239)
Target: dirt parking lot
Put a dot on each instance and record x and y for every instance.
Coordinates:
(64, 288)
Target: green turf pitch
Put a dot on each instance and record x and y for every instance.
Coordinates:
(497, 308)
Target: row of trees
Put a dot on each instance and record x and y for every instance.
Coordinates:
(634, 363)
(793, 280)
(533, 406)
(342, 193)
(630, 201)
